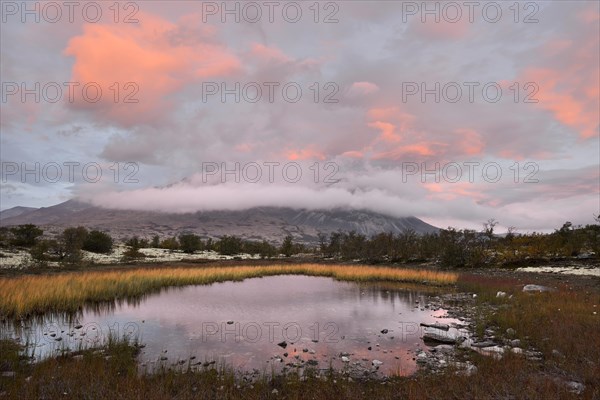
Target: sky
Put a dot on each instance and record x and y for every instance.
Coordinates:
(453, 112)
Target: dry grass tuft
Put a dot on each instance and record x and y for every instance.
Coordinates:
(28, 295)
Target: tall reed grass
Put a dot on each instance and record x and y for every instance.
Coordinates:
(67, 292)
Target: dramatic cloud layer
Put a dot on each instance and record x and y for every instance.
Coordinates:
(378, 105)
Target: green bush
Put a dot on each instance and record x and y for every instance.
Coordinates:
(98, 242)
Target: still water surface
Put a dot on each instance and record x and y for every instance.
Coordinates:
(240, 324)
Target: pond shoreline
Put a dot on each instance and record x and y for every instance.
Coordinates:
(494, 309)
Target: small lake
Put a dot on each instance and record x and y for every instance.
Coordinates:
(242, 324)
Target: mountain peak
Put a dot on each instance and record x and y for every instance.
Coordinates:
(270, 223)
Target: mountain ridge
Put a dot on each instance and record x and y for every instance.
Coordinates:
(270, 223)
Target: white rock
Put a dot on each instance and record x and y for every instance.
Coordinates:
(575, 387)
(493, 349)
(536, 288)
(377, 363)
(517, 350)
(439, 335)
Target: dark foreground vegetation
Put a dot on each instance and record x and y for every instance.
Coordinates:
(560, 324)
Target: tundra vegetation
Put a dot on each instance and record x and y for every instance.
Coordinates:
(562, 324)
(449, 248)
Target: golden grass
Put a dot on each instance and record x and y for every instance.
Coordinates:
(26, 295)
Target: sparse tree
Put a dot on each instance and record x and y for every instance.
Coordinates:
(133, 252)
(170, 244)
(322, 243)
(25, 235)
(488, 228)
(134, 243)
(98, 242)
(267, 250)
(287, 247)
(72, 240)
(510, 235)
(229, 245)
(39, 252)
(190, 243)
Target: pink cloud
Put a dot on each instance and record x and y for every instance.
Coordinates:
(415, 149)
(571, 101)
(244, 147)
(383, 113)
(452, 191)
(269, 53)
(353, 154)
(362, 88)
(387, 131)
(308, 153)
(469, 141)
(148, 54)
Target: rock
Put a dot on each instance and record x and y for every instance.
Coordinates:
(534, 355)
(474, 295)
(384, 331)
(8, 374)
(78, 357)
(312, 362)
(78, 326)
(436, 325)
(493, 350)
(536, 288)
(511, 332)
(229, 322)
(282, 344)
(470, 370)
(575, 387)
(345, 359)
(485, 343)
(500, 294)
(285, 354)
(376, 363)
(517, 350)
(515, 343)
(305, 350)
(369, 348)
(438, 335)
(558, 354)
(274, 391)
